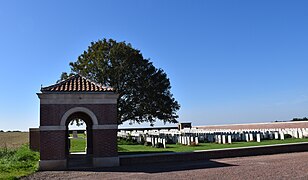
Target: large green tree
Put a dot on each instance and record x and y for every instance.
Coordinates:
(144, 91)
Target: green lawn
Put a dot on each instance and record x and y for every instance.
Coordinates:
(18, 162)
(139, 149)
(78, 145)
(126, 147)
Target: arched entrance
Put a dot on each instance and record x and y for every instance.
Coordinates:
(88, 117)
(77, 137)
(84, 158)
(78, 98)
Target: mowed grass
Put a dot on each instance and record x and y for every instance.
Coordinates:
(124, 149)
(16, 159)
(79, 144)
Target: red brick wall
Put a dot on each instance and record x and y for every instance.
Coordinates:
(34, 137)
(105, 143)
(52, 145)
(51, 114)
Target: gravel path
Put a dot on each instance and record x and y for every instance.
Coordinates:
(280, 166)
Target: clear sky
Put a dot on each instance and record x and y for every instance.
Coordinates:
(228, 61)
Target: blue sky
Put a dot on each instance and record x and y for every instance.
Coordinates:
(228, 61)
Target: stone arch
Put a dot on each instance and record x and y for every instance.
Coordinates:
(75, 110)
(77, 97)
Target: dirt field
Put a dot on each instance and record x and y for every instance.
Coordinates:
(13, 139)
(282, 166)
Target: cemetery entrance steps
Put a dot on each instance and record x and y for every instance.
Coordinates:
(77, 161)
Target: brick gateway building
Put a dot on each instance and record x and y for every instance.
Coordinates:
(77, 98)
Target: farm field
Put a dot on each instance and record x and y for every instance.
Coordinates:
(13, 139)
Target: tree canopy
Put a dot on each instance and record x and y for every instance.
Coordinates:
(144, 90)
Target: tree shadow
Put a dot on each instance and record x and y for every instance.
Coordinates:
(163, 167)
(143, 152)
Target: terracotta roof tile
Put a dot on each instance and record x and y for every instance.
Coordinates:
(76, 83)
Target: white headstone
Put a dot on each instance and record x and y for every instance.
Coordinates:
(164, 143)
(300, 134)
(250, 137)
(223, 137)
(258, 137)
(295, 134)
(229, 139)
(281, 135)
(276, 135)
(196, 140)
(219, 139)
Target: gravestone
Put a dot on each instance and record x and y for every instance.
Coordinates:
(229, 139)
(250, 137)
(281, 135)
(75, 135)
(276, 135)
(258, 137)
(196, 140)
(223, 137)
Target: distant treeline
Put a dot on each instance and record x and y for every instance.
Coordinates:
(300, 119)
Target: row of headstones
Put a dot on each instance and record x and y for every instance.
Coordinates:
(223, 138)
(194, 138)
(212, 136)
(244, 136)
(154, 140)
(188, 140)
(194, 130)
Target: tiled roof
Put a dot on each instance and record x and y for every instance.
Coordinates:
(76, 83)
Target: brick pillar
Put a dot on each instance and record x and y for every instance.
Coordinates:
(34, 137)
(52, 150)
(105, 152)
